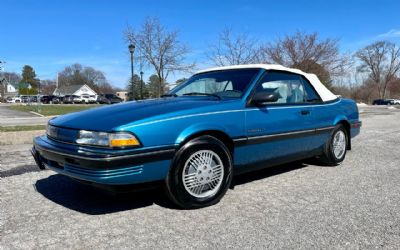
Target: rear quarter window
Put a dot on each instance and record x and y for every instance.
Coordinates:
(311, 94)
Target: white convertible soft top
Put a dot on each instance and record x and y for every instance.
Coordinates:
(324, 93)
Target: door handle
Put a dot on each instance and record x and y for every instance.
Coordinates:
(305, 112)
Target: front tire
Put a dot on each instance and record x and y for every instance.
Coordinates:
(336, 146)
(200, 174)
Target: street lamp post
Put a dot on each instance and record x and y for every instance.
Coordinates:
(131, 48)
(141, 84)
(38, 98)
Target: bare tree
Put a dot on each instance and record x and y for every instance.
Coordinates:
(12, 77)
(232, 49)
(382, 61)
(47, 86)
(160, 48)
(394, 88)
(78, 74)
(308, 53)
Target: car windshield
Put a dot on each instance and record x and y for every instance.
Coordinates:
(227, 83)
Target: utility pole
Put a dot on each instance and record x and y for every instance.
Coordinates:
(38, 99)
(141, 84)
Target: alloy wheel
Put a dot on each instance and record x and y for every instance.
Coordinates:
(203, 173)
(339, 144)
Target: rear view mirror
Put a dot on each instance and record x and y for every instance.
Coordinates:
(263, 97)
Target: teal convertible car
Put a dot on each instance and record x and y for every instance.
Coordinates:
(221, 122)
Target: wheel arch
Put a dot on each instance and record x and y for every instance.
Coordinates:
(218, 134)
(347, 127)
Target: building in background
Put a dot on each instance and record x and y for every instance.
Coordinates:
(8, 89)
(78, 90)
(123, 95)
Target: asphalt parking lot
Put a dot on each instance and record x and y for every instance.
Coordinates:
(9, 117)
(353, 206)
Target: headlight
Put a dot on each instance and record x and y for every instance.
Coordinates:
(51, 131)
(120, 139)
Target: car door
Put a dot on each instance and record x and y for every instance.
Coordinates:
(278, 131)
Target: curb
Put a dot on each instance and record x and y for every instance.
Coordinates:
(19, 137)
(35, 113)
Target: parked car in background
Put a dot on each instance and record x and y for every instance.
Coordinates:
(24, 98)
(221, 122)
(394, 101)
(77, 99)
(33, 98)
(85, 98)
(108, 99)
(92, 98)
(15, 99)
(50, 99)
(67, 99)
(381, 102)
(54, 99)
(89, 99)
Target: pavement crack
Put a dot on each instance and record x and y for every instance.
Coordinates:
(19, 170)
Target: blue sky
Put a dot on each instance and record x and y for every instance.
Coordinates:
(50, 35)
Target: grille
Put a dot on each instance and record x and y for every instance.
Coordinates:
(104, 173)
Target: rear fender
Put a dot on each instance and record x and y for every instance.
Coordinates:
(340, 118)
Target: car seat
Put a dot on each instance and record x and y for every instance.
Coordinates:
(297, 95)
(283, 93)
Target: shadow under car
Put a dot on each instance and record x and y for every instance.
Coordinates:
(92, 200)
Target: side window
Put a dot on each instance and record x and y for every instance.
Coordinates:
(311, 94)
(288, 86)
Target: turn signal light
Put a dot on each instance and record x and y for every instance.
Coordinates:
(124, 142)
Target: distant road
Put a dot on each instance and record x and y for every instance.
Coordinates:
(9, 117)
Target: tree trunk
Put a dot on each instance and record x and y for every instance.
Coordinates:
(160, 83)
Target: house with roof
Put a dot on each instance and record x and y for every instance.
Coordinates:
(123, 95)
(78, 90)
(7, 88)
(11, 89)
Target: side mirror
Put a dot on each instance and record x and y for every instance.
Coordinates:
(263, 97)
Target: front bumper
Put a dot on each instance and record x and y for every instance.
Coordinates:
(101, 166)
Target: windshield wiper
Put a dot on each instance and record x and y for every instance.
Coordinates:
(169, 95)
(200, 93)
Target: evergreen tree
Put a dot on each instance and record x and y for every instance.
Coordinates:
(153, 86)
(29, 76)
(136, 88)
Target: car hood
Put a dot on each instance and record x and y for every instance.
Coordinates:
(107, 118)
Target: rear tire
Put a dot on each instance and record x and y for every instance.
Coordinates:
(335, 147)
(200, 174)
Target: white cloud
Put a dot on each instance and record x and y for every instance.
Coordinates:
(390, 34)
